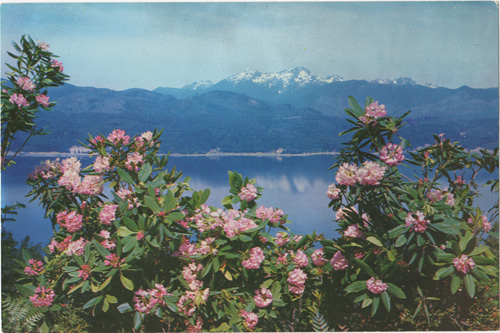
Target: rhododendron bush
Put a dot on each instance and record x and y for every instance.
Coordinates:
(134, 242)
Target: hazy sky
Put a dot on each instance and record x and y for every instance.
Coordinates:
(147, 45)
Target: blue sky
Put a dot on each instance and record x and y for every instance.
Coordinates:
(147, 45)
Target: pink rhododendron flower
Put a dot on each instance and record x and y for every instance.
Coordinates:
(370, 174)
(194, 329)
(105, 234)
(113, 260)
(43, 100)
(353, 231)
(270, 213)
(438, 195)
(77, 247)
(296, 281)
(372, 112)
(459, 181)
(118, 136)
(347, 174)
(392, 154)
(42, 297)
(108, 244)
(359, 255)
(418, 224)
(376, 286)
(25, 83)
(70, 220)
(18, 99)
(44, 46)
(333, 192)
(464, 264)
(46, 170)
(84, 272)
(98, 140)
(283, 258)
(281, 238)
(90, 185)
(248, 193)
(251, 319)
(134, 160)
(57, 64)
(339, 262)
(301, 259)
(71, 173)
(255, 260)
(108, 214)
(101, 164)
(146, 300)
(366, 220)
(317, 257)
(341, 213)
(140, 235)
(54, 245)
(263, 297)
(486, 224)
(35, 269)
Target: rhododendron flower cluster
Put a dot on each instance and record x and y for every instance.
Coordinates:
(25, 83)
(297, 281)
(353, 232)
(438, 195)
(263, 297)
(301, 259)
(90, 185)
(101, 164)
(251, 319)
(486, 223)
(281, 238)
(46, 170)
(256, 258)
(118, 137)
(18, 99)
(77, 247)
(84, 272)
(333, 192)
(464, 264)
(134, 160)
(392, 154)
(107, 214)
(54, 245)
(146, 300)
(370, 174)
(35, 269)
(43, 100)
(44, 46)
(418, 224)
(144, 140)
(113, 260)
(107, 243)
(70, 220)
(339, 262)
(43, 297)
(372, 112)
(274, 215)
(347, 174)
(71, 173)
(376, 286)
(248, 193)
(189, 273)
(57, 64)
(196, 328)
(317, 257)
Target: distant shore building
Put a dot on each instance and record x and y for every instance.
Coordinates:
(78, 150)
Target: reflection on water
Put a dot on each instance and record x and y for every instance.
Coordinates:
(297, 185)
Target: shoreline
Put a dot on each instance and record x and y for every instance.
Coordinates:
(218, 154)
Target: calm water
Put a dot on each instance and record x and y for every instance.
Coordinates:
(297, 185)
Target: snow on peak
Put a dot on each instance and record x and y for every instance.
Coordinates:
(402, 81)
(199, 85)
(297, 77)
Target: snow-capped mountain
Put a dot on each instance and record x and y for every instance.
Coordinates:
(199, 85)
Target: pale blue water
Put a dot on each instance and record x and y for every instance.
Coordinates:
(297, 185)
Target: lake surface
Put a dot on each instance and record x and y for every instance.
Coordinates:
(297, 185)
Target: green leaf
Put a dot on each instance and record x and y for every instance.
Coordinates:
(124, 308)
(465, 240)
(443, 272)
(356, 286)
(366, 302)
(395, 291)
(361, 264)
(375, 304)
(355, 106)
(152, 204)
(455, 283)
(137, 320)
(374, 240)
(175, 216)
(386, 301)
(470, 285)
(145, 172)
(26, 290)
(127, 283)
(124, 175)
(130, 223)
(401, 241)
(484, 261)
(445, 257)
(93, 301)
(124, 231)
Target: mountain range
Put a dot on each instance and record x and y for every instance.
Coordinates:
(251, 111)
